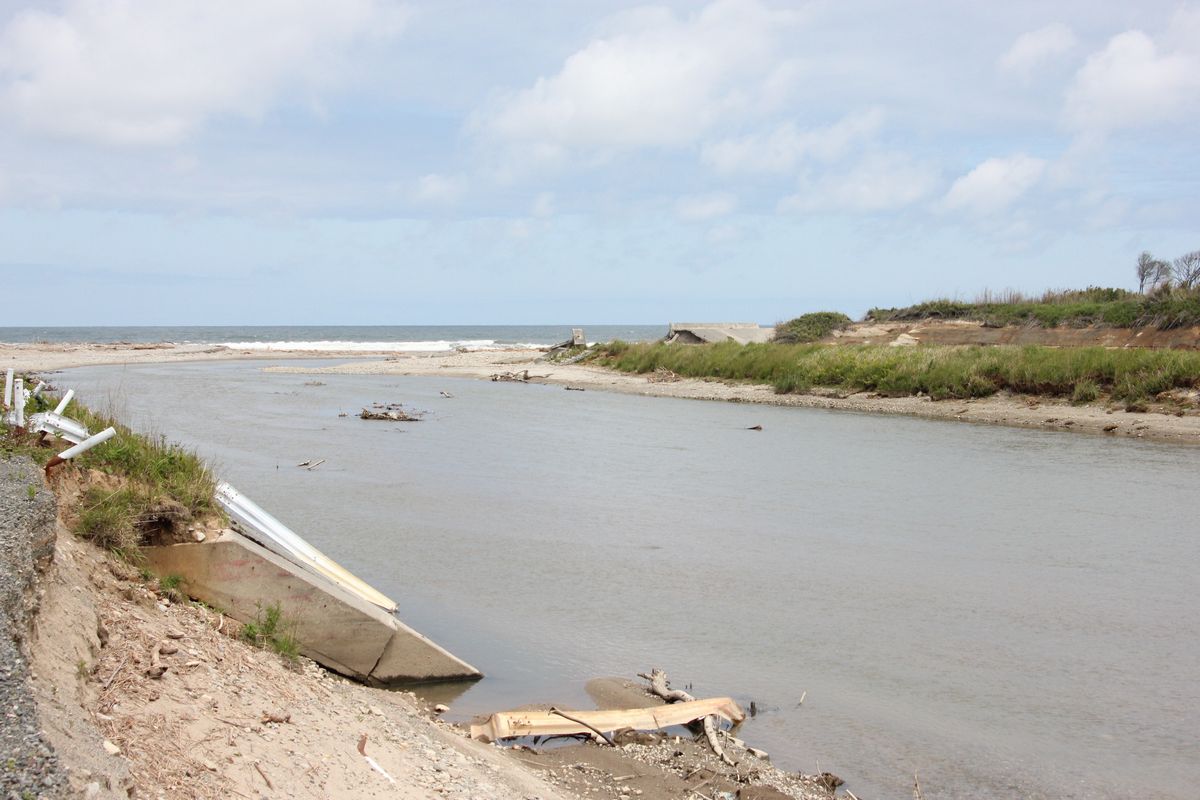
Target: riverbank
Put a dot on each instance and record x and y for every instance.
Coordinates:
(221, 717)
(1001, 409)
(1012, 410)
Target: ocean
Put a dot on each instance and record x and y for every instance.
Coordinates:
(342, 338)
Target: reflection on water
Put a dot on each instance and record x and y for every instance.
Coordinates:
(1003, 612)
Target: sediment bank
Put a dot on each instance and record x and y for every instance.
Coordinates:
(1002, 409)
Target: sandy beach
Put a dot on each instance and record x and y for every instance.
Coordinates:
(1015, 411)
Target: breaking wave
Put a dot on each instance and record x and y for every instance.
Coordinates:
(440, 346)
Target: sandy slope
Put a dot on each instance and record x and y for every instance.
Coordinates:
(201, 730)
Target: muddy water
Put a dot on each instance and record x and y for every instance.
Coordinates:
(1006, 613)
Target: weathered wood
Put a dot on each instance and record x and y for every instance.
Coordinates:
(156, 668)
(506, 724)
(660, 686)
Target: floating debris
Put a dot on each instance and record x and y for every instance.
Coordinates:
(391, 412)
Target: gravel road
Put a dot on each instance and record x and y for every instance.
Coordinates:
(26, 538)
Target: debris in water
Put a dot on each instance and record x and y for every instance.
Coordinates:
(392, 412)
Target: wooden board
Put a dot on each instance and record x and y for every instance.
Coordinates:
(506, 724)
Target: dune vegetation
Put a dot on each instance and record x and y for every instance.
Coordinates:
(1082, 374)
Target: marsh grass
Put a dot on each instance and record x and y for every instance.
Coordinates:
(940, 372)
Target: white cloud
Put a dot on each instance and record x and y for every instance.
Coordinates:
(877, 182)
(994, 184)
(543, 204)
(1133, 83)
(125, 72)
(705, 206)
(434, 189)
(1033, 49)
(653, 79)
(782, 149)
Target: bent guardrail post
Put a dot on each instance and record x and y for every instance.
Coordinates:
(82, 447)
(38, 389)
(62, 404)
(47, 422)
(19, 401)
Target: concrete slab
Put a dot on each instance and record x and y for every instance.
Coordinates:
(334, 627)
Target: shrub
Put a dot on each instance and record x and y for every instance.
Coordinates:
(810, 327)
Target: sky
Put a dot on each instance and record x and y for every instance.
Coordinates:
(367, 162)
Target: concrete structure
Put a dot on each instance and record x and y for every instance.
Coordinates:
(333, 626)
(712, 332)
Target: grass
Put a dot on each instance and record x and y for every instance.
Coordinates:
(940, 372)
(159, 484)
(271, 630)
(1116, 308)
(810, 327)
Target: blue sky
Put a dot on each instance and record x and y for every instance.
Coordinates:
(309, 162)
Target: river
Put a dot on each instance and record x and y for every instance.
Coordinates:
(1002, 612)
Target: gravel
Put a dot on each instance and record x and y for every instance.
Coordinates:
(27, 517)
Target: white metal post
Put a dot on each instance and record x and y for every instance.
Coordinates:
(19, 393)
(62, 404)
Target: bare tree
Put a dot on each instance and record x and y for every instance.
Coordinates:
(1147, 266)
(1186, 270)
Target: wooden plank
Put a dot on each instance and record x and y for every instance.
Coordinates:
(506, 724)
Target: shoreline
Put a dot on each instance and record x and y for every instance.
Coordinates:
(220, 717)
(1041, 413)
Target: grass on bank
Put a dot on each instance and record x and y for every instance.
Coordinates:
(810, 327)
(1081, 374)
(157, 485)
(1117, 308)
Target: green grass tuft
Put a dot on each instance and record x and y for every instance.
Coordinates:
(810, 327)
(271, 630)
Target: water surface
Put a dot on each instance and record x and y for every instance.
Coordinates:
(1005, 612)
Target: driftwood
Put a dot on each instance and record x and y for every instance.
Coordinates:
(660, 687)
(392, 412)
(156, 668)
(662, 375)
(517, 377)
(507, 724)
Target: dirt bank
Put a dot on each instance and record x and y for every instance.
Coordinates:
(227, 719)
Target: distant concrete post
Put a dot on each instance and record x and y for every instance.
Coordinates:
(577, 338)
(8, 383)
